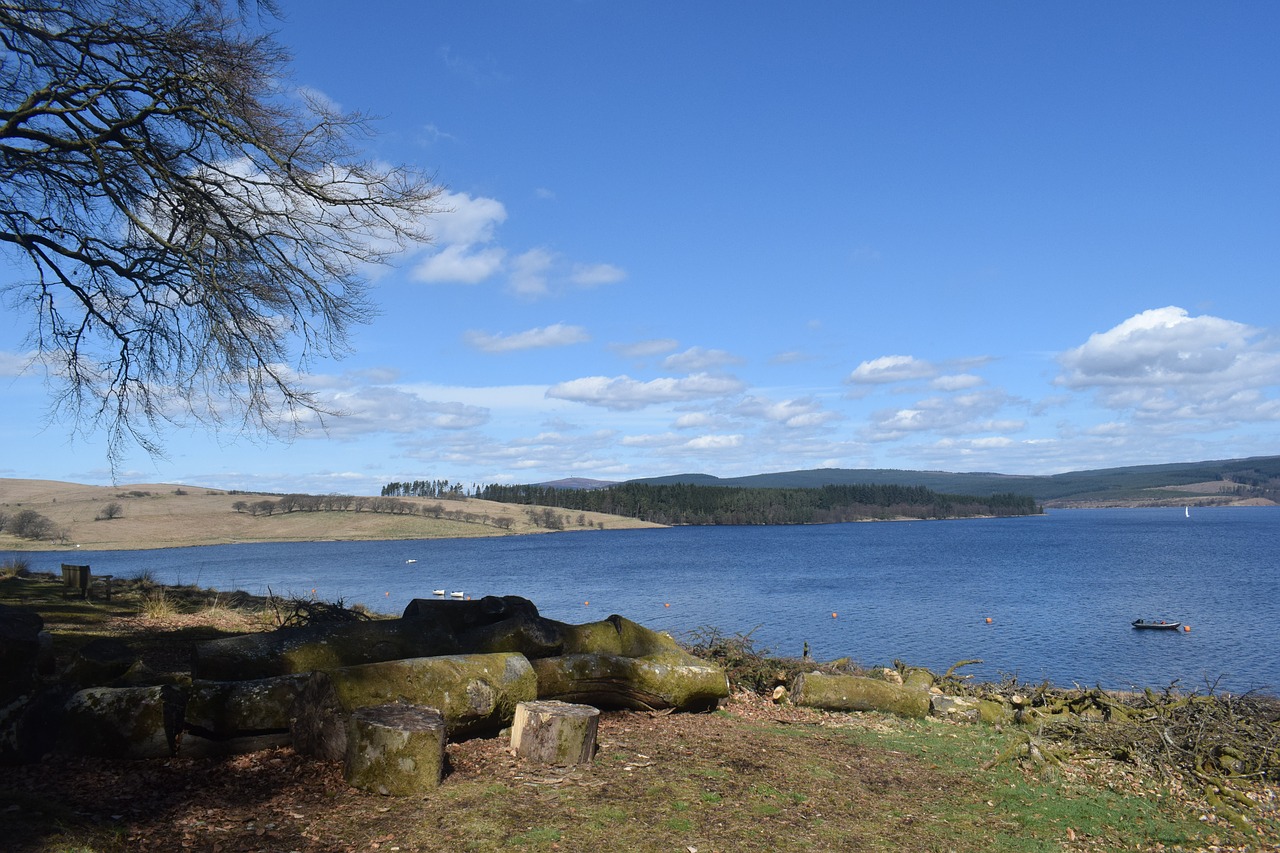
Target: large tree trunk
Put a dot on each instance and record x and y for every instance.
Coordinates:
(230, 717)
(475, 693)
(620, 664)
(855, 693)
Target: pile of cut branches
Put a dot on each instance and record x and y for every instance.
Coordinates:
(296, 612)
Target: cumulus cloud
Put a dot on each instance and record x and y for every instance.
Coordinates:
(461, 264)
(891, 368)
(622, 393)
(1164, 364)
(696, 359)
(386, 409)
(556, 335)
(960, 413)
(804, 412)
(956, 382)
(529, 272)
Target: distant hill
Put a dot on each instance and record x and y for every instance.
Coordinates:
(1253, 480)
(578, 483)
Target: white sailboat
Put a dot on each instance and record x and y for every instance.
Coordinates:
(1187, 510)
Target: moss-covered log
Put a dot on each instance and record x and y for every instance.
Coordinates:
(856, 693)
(428, 628)
(231, 717)
(123, 722)
(618, 663)
(475, 693)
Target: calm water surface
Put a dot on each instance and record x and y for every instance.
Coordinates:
(1060, 590)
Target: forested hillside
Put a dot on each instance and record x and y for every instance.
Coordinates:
(682, 503)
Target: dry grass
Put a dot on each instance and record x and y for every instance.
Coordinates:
(172, 516)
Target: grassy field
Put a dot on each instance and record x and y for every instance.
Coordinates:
(752, 776)
(171, 516)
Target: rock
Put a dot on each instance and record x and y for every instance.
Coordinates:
(475, 693)
(857, 693)
(553, 732)
(395, 750)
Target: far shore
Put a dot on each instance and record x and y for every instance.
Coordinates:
(167, 515)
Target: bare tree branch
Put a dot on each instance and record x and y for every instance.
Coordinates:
(196, 231)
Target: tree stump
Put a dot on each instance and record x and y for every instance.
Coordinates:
(554, 732)
(396, 750)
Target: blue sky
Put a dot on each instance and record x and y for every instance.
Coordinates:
(737, 237)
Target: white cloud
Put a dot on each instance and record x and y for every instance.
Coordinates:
(1165, 365)
(956, 382)
(467, 221)
(377, 409)
(697, 359)
(891, 368)
(961, 413)
(556, 335)
(594, 275)
(458, 264)
(622, 393)
(800, 413)
(714, 442)
(645, 349)
(529, 272)
(16, 363)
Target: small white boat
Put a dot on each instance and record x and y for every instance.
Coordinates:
(457, 594)
(1187, 509)
(411, 561)
(437, 592)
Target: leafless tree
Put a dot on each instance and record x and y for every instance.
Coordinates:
(194, 230)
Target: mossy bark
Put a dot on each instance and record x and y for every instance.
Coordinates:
(395, 750)
(230, 717)
(123, 722)
(855, 693)
(475, 693)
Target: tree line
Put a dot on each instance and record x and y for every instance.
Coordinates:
(442, 489)
(349, 503)
(682, 503)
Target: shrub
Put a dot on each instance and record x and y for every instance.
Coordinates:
(157, 605)
(16, 567)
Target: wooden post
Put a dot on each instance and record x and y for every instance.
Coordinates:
(395, 749)
(554, 732)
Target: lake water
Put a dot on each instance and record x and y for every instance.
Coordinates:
(1060, 590)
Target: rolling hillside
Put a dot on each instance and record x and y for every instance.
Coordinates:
(1253, 480)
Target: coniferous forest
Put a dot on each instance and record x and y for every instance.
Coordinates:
(690, 504)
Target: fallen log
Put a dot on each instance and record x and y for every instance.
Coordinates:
(618, 663)
(857, 693)
(553, 732)
(474, 693)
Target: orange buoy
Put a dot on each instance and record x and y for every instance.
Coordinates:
(586, 603)
(988, 620)
(1186, 629)
(833, 615)
(666, 605)
(388, 593)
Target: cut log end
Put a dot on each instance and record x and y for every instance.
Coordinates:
(396, 750)
(554, 732)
